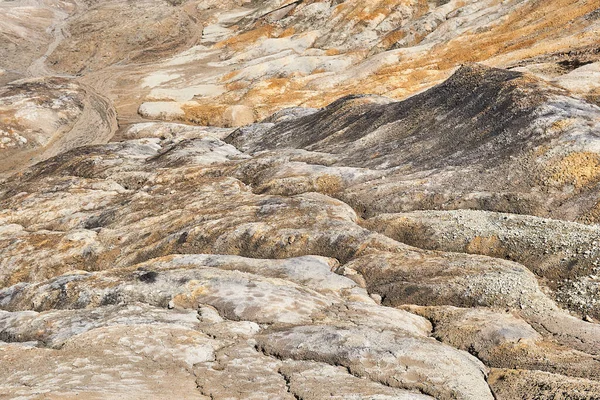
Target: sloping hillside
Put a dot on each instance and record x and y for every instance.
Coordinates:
(179, 252)
(265, 199)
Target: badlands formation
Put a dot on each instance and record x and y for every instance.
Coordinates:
(268, 199)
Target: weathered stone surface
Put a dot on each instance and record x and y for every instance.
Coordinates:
(522, 384)
(564, 254)
(150, 361)
(54, 328)
(308, 240)
(503, 340)
(195, 60)
(40, 118)
(318, 381)
(484, 139)
(393, 358)
(272, 54)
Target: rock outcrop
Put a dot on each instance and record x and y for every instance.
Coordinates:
(304, 199)
(43, 117)
(485, 139)
(200, 60)
(205, 251)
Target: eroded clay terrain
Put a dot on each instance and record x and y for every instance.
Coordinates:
(299, 200)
